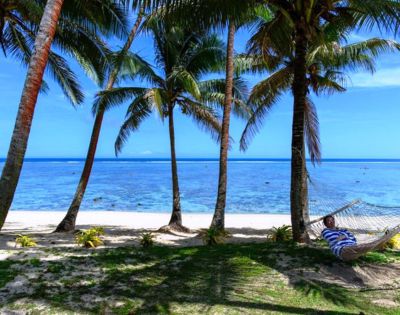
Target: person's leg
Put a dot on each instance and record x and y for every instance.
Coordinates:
(353, 252)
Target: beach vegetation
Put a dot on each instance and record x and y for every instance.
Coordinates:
(147, 239)
(90, 238)
(25, 241)
(280, 234)
(35, 262)
(55, 267)
(7, 273)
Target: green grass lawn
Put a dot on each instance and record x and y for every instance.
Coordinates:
(225, 279)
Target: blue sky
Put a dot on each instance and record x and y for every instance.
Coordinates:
(361, 123)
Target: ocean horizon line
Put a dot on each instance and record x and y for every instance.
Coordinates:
(191, 159)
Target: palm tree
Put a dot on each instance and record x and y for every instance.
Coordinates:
(300, 23)
(68, 223)
(215, 14)
(327, 66)
(38, 61)
(218, 221)
(184, 57)
(13, 165)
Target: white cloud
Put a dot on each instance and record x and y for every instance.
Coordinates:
(147, 152)
(381, 78)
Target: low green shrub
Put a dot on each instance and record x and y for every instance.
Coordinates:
(280, 234)
(25, 241)
(147, 239)
(90, 238)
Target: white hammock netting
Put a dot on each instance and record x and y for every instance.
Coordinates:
(366, 221)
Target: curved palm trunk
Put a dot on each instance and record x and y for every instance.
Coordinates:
(218, 220)
(19, 141)
(176, 216)
(298, 187)
(68, 223)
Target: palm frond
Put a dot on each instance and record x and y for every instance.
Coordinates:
(247, 63)
(367, 14)
(213, 94)
(311, 124)
(132, 66)
(108, 99)
(138, 111)
(106, 16)
(278, 82)
(331, 82)
(204, 116)
(256, 120)
(208, 55)
(180, 78)
(66, 78)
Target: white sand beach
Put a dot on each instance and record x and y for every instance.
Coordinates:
(123, 228)
(46, 220)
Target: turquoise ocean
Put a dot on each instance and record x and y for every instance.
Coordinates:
(144, 185)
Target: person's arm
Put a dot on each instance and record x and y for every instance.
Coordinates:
(331, 236)
(350, 235)
(345, 235)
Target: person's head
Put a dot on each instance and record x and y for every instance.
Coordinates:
(329, 221)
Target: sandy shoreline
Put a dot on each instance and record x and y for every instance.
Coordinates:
(47, 220)
(124, 228)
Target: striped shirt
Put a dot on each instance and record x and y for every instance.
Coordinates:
(332, 235)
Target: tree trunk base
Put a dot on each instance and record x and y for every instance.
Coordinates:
(64, 227)
(305, 239)
(174, 227)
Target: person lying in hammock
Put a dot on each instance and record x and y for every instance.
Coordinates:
(343, 243)
(337, 238)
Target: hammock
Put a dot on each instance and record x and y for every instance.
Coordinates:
(372, 225)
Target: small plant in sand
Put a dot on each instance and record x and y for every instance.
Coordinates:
(214, 236)
(280, 234)
(25, 241)
(147, 239)
(90, 238)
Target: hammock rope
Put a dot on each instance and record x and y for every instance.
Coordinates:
(368, 222)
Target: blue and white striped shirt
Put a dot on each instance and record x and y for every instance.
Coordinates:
(332, 235)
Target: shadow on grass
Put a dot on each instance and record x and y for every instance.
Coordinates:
(164, 280)
(213, 276)
(243, 278)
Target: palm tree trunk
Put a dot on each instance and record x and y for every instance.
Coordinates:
(176, 216)
(298, 187)
(68, 223)
(19, 141)
(218, 221)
